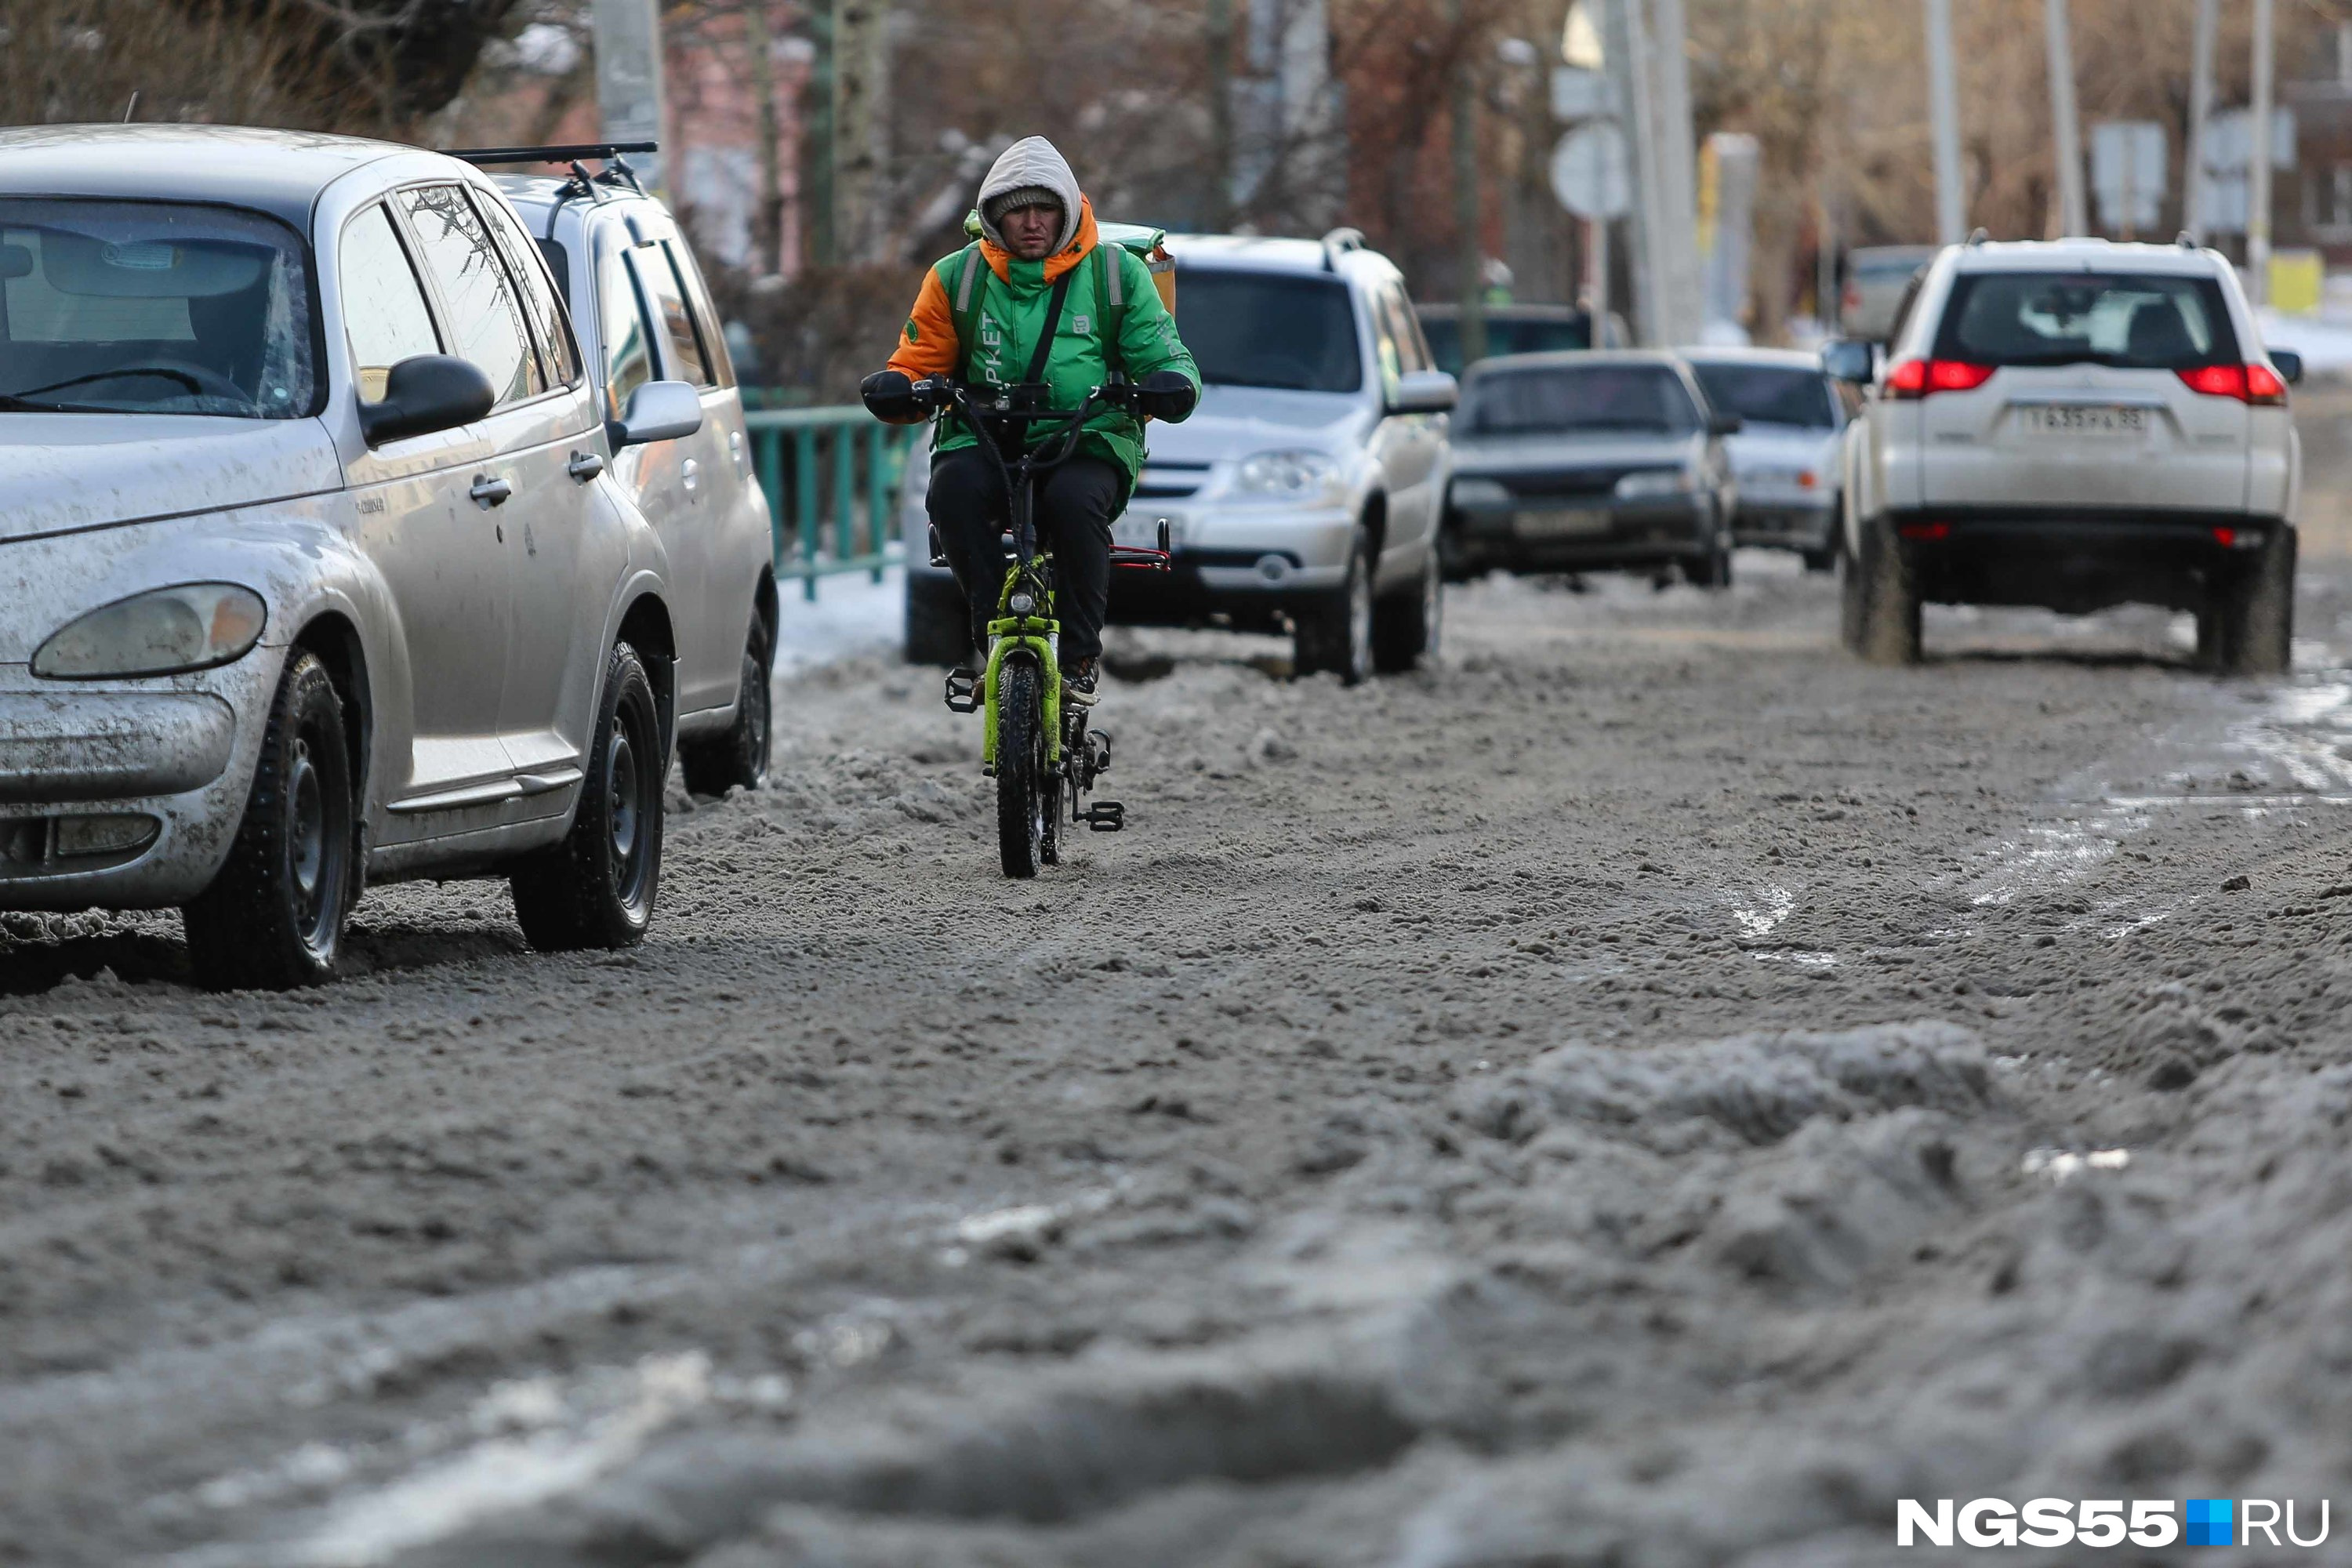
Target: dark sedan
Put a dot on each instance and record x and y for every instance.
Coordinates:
(1581, 462)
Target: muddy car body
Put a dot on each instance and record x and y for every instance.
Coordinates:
(314, 574)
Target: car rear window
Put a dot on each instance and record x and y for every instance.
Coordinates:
(1504, 337)
(2133, 320)
(1768, 394)
(1248, 328)
(1645, 400)
(154, 308)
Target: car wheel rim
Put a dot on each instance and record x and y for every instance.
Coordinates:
(305, 838)
(626, 819)
(755, 692)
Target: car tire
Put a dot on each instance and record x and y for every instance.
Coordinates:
(272, 918)
(939, 623)
(1890, 610)
(1406, 626)
(1823, 560)
(1333, 631)
(596, 888)
(737, 757)
(2249, 626)
(1455, 561)
(1853, 601)
(1711, 571)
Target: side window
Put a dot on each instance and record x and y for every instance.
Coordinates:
(485, 318)
(706, 319)
(1903, 308)
(1413, 349)
(384, 315)
(668, 301)
(539, 300)
(628, 336)
(1384, 341)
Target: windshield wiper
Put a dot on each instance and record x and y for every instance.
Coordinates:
(165, 371)
(16, 403)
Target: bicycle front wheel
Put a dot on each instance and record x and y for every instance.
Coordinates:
(1020, 784)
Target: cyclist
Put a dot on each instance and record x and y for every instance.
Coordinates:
(1024, 304)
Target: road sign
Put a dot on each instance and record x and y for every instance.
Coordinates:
(1578, 94)
(2127, 174)
(1590, 172)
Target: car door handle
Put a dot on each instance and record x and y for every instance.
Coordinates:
(490, 490)
(735, 446)
(689, 469)
(585, 465)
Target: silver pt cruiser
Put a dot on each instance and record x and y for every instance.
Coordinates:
(311, 569)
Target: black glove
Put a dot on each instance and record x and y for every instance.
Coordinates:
(1167, 395)
(890, 396)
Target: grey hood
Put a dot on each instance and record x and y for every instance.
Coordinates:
(1031, 161)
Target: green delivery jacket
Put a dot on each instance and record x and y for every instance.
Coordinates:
(1005, 302)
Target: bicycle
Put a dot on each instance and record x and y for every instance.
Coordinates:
(1042, 753)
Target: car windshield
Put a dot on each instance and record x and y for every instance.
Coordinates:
(152, 308)
(1601, 400)
(2136, 321)
(1768, 394)
(1505, 336)
(1251, 328)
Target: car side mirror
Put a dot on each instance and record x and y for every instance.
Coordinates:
(1849, 360)
(1425, 392)
(2288, 364)
(658, 411)
(1725, 424)
(426, 392)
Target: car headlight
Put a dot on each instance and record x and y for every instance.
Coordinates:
(1653, 482)
(1288, 475)
(1481, 492)
(193, 626)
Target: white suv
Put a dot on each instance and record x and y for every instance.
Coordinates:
(2072, 425)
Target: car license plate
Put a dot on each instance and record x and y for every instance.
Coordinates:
(2084, 419)
(1560, 522)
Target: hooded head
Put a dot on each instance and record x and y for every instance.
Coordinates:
(1021, 174)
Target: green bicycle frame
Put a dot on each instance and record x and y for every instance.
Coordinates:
(1015, 634)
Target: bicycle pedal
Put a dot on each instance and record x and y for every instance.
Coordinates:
(1105, 816)
(965, 695)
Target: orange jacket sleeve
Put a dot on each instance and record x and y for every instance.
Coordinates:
(927, 343)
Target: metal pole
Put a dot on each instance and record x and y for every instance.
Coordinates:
(1678, 169)
(1596, 278)
(1470, 250)
(1625, 53)
(2073, 219)
(2194, 181)
(1221, 115)
(629, 78)
(2258, 173)
(1944, 107)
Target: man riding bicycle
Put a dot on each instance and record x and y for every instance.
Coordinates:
(1035, 300)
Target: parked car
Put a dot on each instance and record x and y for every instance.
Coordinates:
(1510, 329)
(643, 314)
(1574, 462)
(1303, 494)
(1875, 278)
(1784, 459)
(314, 569)
(2073, 425)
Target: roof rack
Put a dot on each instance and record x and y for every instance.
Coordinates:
(1337, 242)
(560, 152)
(1979, 236)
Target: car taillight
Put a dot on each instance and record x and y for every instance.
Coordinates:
(1926, 378)
(2256, 383)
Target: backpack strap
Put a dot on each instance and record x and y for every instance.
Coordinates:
(967, 309)
(1110, 301)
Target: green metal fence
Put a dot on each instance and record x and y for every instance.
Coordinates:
(831, 477)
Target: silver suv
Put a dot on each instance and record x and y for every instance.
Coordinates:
(2072, 425)
(1302, 495)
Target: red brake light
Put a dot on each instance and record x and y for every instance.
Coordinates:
(1926, 378)
(2255, 384)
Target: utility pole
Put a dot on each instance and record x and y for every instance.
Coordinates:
(1944, 106)
(1221, 116)
(2073, 216)
(1623, 50)
(2194, 182)
(767, 223)
(2258, 172)
(629, 76)
(1677, 170)
(1471, 252)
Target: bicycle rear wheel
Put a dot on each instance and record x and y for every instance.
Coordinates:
(1022, 800)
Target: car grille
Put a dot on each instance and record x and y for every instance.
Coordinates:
(1171, 481)
(1567, 482)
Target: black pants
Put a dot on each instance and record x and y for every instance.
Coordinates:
(1075, 505)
